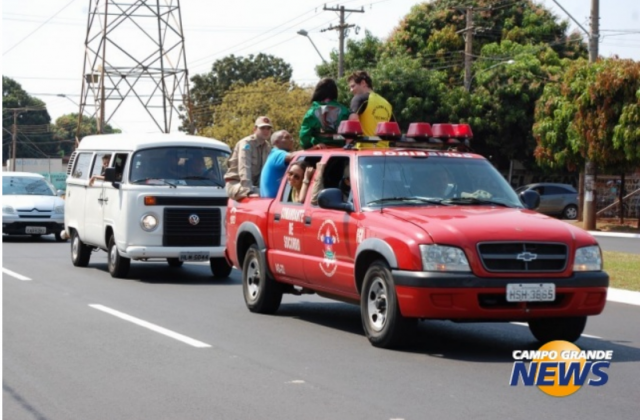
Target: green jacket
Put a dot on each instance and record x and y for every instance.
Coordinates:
(320, 121)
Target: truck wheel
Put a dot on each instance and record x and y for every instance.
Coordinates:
(570, 212)
(220, 268)
(551, 329)
(80, 253)
(118, 266)
(383, 323)
(262, 294)
(174, 262)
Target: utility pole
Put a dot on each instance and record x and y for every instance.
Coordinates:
(342, 27)
(14, 131)
(589, 167)
(468, 50)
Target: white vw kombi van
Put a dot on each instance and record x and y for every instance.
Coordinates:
(157, 196)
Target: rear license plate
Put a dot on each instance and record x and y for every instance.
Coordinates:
(531, 292)
(194, 256)
(36, 230)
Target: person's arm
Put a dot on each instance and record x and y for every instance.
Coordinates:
(244, 172)
(94, 178)
(358, 105)
(308, 174)
(308, 128)
(318, 184)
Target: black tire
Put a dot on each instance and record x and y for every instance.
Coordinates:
(570, 212)
(80, 253)
(220, 268)
(58, 236)
(551, 329)
(262, 294)
(382, 321)
(36, 237)
(118, 265)
(174, 262)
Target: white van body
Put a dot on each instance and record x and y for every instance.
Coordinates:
(147, 204)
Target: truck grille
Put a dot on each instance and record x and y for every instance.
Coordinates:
(523, 256)
(178, 231)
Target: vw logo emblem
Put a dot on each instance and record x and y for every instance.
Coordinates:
(194, 219)
(527, 256)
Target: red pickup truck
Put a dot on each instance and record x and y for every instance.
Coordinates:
(413, 233)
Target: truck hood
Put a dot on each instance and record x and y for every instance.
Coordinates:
(470, 225)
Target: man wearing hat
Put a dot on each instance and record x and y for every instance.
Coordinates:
(247, 160)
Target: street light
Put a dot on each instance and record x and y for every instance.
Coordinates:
(305, 33)
(487, 69)
(62, 95)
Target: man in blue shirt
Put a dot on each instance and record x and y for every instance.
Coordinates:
(276, 164)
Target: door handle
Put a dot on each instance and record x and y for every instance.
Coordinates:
(307, 220)
(276, 217)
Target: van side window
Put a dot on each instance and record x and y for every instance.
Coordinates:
(82, 166)
(119, 162)
(98, 163)
(311, 161)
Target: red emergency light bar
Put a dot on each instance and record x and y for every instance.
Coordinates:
(462, 131)
(420, 131)
(350, 129)
(388, 130)
(442, 131)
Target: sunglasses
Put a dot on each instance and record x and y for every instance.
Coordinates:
(294, 175)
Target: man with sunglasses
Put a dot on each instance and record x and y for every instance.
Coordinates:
(247, 160)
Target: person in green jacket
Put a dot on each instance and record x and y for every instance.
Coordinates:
(321, 121)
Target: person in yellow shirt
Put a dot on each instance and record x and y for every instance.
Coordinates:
(368, 107)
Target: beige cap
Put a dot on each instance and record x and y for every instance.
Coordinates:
(263, 122)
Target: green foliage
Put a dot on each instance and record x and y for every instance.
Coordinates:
(361, 54)
(208, 89)
(242, 104)
(65, 127)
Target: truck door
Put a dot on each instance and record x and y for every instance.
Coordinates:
(76, 192)
(113, 211)
(94, 202)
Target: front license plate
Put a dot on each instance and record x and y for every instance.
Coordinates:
(39, 230)
(531, 292)
(194, 256)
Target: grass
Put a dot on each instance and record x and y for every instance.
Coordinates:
(623, 270)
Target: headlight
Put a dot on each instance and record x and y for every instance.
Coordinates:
(588, 259)
(59, 209)
(149, 222)
(443, 258)
(8, 210)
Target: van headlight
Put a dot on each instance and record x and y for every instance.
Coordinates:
(588, 258)
(6, 209)
(59, 209)
(443, 258)
(149, 222)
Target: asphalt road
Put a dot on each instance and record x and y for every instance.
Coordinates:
(67, 356)
(630, 245)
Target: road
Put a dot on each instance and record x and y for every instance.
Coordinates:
(205, 356)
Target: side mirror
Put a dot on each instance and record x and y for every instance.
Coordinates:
(331, 198)
(530, 199)
(110, 176)
(60, 193)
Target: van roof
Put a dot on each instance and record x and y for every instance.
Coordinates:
(133, 141)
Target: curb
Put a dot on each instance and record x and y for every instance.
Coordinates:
(623, 296)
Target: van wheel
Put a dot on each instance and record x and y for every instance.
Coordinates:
(174, 262)
(570, 212)
(58, 236)
(551, 329)
(262, 294)
(118, 265)
(80, 253)
(220, 268)
(383, 323)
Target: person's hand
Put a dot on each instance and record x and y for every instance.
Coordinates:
(320, 146)
(308, 174)
(320, 167)
(92, 180)
(253, 195)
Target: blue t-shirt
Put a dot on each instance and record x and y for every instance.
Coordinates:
(273, 172)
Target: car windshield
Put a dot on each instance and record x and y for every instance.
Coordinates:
(433, 180)
(26, 185)
(176, 166)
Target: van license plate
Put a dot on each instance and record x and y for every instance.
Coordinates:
(531, 292)
(194, 256)
(39, 230)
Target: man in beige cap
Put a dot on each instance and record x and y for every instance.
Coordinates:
(247, 160)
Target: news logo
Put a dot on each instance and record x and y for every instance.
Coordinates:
(560, 368)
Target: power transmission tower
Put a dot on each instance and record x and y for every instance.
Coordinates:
(134, 49)
(342, 28)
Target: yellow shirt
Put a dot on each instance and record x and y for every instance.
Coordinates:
(378, 110)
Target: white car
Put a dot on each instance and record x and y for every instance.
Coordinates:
(31, 206)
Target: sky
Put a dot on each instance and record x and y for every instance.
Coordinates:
(43, 40)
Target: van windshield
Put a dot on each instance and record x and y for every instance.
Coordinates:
(175, 166)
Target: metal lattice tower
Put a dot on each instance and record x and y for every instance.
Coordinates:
(134, 49)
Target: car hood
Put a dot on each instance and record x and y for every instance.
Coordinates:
(30, 202)
(470, 225)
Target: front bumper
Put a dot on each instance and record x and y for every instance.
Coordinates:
(19, 227)
(137, 252)
(463, 296)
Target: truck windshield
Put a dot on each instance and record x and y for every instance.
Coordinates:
(434, 180)
(176, 166)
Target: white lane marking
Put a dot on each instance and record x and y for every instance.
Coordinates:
(152, 327)
(524, 324)
(16, 275)
(623, 296)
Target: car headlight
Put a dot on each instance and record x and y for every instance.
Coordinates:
(149, 222)
(443, 258)
(588, 259)
(59, 209)
(8, 210)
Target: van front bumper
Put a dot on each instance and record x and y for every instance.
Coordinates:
(149, 252)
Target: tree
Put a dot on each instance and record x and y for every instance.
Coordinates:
(359, 54)
(242, 104)
(33, 135)
(208, 89)
(64, 130)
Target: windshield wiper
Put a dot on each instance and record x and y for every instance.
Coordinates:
(474, 201)
(155, 179)
(414, 198)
